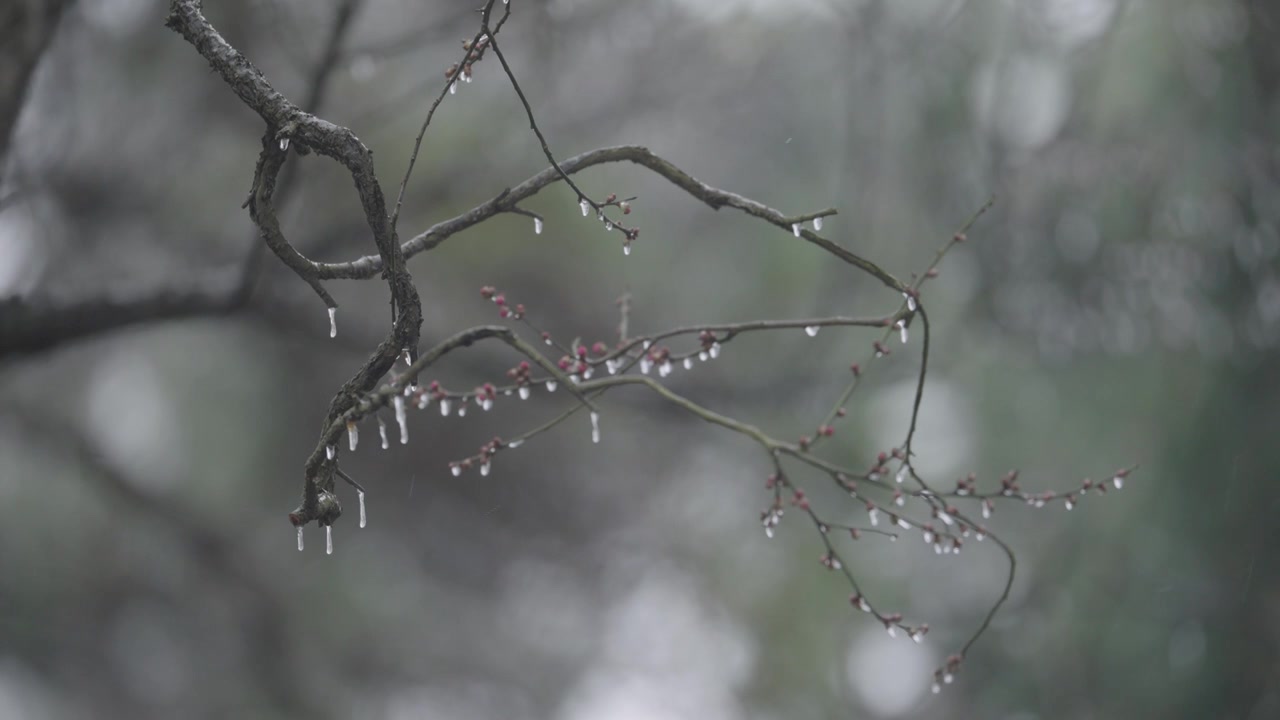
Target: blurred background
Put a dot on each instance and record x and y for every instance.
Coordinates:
(1120, 304)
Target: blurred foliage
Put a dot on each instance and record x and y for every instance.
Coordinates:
(1120, 304)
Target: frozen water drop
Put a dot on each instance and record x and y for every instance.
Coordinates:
(902, 331)
(1118, 481)
(453, 88)
(611, 366)
(284, 143)
(444, 407)
(487, 404)
(485, 467)
(328, 539)
(524, 392)
(812, 330)
(537, 226)
(608, 225)
(703, 356)
(665, 368)
(795, 229)
(455, 469)
(645, 365)
(329, 452)
(299, 538)
(595, 427)
(936, 688)
(626, 249)
(911, 302)
(817, 223)
(333, 322)
(688, 363)
(515, 444)
(462, 409)
(382, 432)
(585, 207)
(363, 519)
(353, 436)
(902, 475)
(401, 420)
(768, 531)
(893, 631)
(715, 350)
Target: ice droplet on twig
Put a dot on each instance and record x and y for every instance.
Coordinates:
(1118, 481)
(812, 330)
(329, 452)
(902, 331)
(595, 427)
(911, 302)
(382, 432)
(795, 229)
(456, 470)
(333, 322)
(328, 539)
(664, 369)
(626, 249)
(715, 350)
(444, 407)
(688, 363)
(551, 386)
(485, 467)
(284, 143)
(515, 444)
(645, 365)
(817, 223)
(299, 538)
(537, 226)
(353, 435)
(363, 520)
(453, 88)
(401, 420)
(585, 207)
(524, 392)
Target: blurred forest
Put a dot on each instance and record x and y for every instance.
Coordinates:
(1119, 304)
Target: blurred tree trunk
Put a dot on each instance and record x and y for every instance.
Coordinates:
(26, 27)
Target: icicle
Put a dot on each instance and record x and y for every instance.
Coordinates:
(986, 509)
(626, 249)
(611, 366)
(284, 144)
(795, 229)
(817, 223)
(911, 301)
(382, 432)
(902, 331)
(328, 539)
(455, 469)
(585, 206)
(551, 386)
(363, 519)
(401, 420)
(333, 322)
(812, 330)
(595, 427)
(537, 226)
(688, 363)
(893, 631)
(299, 538)
(524, 392)
(328, 452)
(645, 365)
(444, 407)
(353, 435)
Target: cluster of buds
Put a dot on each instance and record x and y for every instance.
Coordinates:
(475, 52)
(710, 346)
(521, 375)
(830, 561)
(485, 395)
(576, 366)
(488, 292)
(946, 674)
(659, 357)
